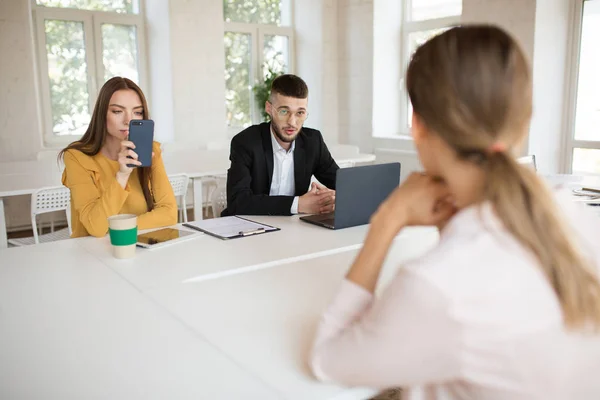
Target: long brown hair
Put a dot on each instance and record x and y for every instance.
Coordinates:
(95, 136)
(472, 86)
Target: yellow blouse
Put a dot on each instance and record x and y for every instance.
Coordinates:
(96, 194)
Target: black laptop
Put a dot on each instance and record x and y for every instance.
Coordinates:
(358, 193)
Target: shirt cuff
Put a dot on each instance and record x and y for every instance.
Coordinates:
(294, 209)
(351, 301)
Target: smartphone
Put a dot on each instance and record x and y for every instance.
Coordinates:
(141, 133)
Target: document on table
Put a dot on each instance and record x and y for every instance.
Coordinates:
(230, 227)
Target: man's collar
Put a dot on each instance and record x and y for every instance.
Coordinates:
(276, 145)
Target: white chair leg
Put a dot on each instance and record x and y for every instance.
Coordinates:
(36, 238)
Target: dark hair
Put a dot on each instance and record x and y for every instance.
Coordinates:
(92, 141)
(290, 85)
(472, 87)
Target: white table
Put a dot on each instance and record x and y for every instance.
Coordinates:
(70, 328)
(206, 257)
(265, 320)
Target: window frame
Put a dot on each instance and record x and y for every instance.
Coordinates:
(257, 33)
(408, 27)
(92, 28)
(574, 53)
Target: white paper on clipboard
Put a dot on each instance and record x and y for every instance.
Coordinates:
(230, 227)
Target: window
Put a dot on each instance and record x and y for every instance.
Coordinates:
(399, 28)
(583, 143)
(81, 44)
(424, 19)
(258, 41)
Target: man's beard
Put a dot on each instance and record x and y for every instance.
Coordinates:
(282, 136)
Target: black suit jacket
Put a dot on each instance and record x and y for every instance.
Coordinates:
(251, 171)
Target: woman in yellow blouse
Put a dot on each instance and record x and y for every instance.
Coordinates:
(96, 168)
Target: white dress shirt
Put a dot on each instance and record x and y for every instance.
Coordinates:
(475, 318)
(283, 182)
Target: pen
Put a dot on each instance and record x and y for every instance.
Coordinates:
(254, 232)
(591, 190)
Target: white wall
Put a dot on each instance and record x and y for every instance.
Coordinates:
(355, 71)
(158, 35)
(20, 136)
(198, 64)
(516, 16)
(315, 23)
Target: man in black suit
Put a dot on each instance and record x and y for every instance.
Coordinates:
(272, 163)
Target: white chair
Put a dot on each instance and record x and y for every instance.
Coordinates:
(529, 161)
(179, 183)
(50, 157)
(219, 198)
(43, 201)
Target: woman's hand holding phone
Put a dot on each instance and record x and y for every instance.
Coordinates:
(126, 158)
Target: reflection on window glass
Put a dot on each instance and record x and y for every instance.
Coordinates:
(275, 54)
(119, 51)
(586, 161)
(431, 9)
(120, 6)
(67, 73)
(237, 79)
(254, 12)
(587, 117)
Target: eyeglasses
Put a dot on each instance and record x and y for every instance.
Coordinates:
(284, 113)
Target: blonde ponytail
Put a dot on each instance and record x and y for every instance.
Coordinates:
(480, 96)
(527, 209)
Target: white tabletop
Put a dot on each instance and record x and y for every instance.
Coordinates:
(207, 257)
(70, 328)
(265, 320)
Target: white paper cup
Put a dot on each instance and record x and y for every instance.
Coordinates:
(123, 234)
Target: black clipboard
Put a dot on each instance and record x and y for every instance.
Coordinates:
(216, 226)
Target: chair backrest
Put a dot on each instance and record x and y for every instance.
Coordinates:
(219, 199)
(528, 160)
(50, 199)
(179, 183)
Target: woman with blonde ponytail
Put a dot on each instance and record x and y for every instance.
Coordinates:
(487, 314)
